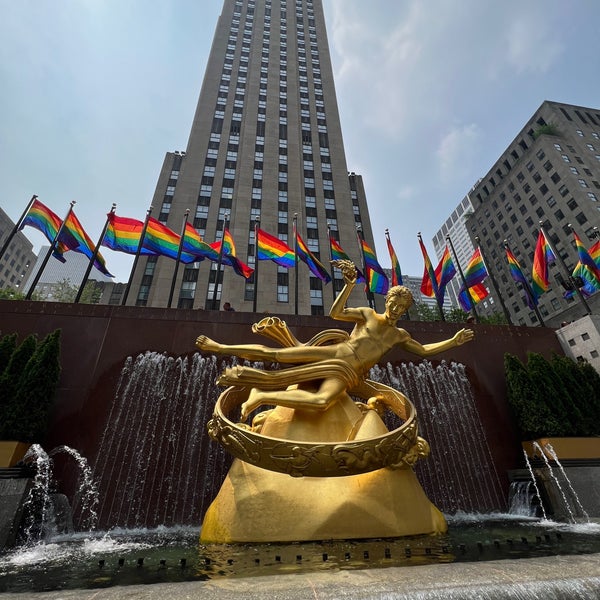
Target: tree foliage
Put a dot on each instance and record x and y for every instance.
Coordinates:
(553, 398)
(532, 413)
(9, 382)
(32, 386)
(8, 343)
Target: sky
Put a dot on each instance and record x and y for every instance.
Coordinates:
(93, 93)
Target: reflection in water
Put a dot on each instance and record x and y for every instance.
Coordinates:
(126, 557)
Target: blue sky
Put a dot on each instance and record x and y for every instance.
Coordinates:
(94, 92)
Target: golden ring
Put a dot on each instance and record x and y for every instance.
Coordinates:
(400, 448)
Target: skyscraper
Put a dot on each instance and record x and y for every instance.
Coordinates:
(265, 144)
(549, 174)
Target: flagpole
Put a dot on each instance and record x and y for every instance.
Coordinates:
(295, 264)
(529, 292)
(93, 257)
(48, 254)
(137, 256)
(330, 259)
(496, 289)
(15, 229)
(570, 274)
(368, 292)
(219, 262)
(256, 261)
(462, 276)
(179, 250)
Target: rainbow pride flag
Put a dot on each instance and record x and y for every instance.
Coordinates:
(429, 285)
(587, 261)
(40, 217)
(74, 236)
(229, 256)
(163, 241)
(542, 257)
(315, 266)
(517, 274)
(194, 245)
(271, 248)
(123, 235)
(444, 272)
(474, 274)
(396, 271)
(595, 253)
(338, 254)
(376, 279)
(476, 294)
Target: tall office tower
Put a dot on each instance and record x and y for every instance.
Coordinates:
(266, 143)
(455, 227)
(550, 173)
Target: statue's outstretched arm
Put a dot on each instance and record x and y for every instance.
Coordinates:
(339, 310)
(461, 337)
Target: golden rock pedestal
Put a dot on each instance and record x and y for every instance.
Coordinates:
(260, 505)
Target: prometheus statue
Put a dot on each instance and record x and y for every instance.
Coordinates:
(333, 446)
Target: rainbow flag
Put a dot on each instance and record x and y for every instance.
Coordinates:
(444, 272)
(590, 284)
(123, 235)
(542, 257)
(163, 241)
(74, 236)
(595, 253)
(338, 254)
(271, 248)
(476, 294)
(40, 217)
(377, 281)
(587, 261)
(474, 274)
(517, 274)
(396, 271)
(229, 256)
(429, 285)
(315, 266)
(194, 245)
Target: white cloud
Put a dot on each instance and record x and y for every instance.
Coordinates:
(457, 151)
(533, 44)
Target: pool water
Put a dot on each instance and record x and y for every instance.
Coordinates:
(127, 557)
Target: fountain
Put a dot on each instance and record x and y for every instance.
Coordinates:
(156, 472)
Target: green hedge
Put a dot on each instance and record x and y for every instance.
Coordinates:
(559, 398)
(28, 385)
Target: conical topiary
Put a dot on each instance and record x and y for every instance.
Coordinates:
(555, 394)
(29, 413)
(8, 343)
(9, 383)
(592, 379)
(532, 414)
(580, 392)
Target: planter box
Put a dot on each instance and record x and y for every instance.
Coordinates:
(574, 448)
(11, 453)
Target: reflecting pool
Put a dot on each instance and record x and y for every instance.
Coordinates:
(136, 556)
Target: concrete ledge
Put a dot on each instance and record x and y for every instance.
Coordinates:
(556, 577)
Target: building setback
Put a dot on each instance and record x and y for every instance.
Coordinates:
(549, 173)
(265, 144)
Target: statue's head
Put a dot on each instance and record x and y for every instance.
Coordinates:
(402, 295)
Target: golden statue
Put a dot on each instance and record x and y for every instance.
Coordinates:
(352, 478)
